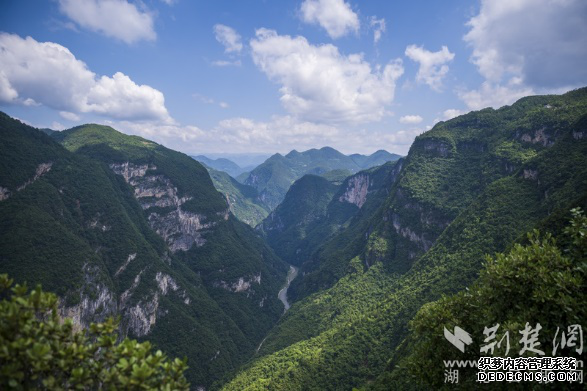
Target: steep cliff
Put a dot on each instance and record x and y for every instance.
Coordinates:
(124, 227)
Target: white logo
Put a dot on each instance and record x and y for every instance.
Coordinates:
(459, 339)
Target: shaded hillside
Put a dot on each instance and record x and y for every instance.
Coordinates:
(470, 186)
(315, 209)
(125, 227)
(242, 199)
(274, 177)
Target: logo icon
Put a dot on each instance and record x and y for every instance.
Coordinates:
(459, 339)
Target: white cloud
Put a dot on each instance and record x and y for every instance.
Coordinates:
(278, 134)
(527, 46)
(114, 18)
(378, 26)
(320, 84)
(49, 74)
(433, 66)
(69, 116)
(57, 126)
(210, 101)
(228, 37)
(451, 113)
(411, 119)
(335, 16)
(224, 63)
(494, 94)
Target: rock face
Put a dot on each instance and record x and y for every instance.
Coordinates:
(439, 148)
(539, 136)
(181, 229)
(357, 189)
(96, 301)
(41, 170)
(244, 284)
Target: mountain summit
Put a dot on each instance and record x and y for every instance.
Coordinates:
(273, 178)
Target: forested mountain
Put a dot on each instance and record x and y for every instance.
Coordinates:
(243, 200)
(274, 177)
(315, 209)
(470, 186)
(117, 225)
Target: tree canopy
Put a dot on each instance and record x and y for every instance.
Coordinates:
(40, 350)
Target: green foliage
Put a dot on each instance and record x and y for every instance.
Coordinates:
(105, 144)
(289, 230)
(453, 200)
(243, 200)
(74, 229)
(42, 351)
(535, 283)
(274, 177)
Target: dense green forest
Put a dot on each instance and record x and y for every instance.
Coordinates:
(120, 226)
(481, 223)
(243, 199)
(469, 187)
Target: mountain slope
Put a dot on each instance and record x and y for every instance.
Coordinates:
(274, 177)
(242, 199)
(315, 209)
(97, 228)
(468, 187)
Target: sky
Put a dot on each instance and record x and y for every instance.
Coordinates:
(261, 76)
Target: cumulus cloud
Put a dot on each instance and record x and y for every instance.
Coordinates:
(69, 116)
(527, 46)
(378, 26)
(320, 84)
(433, 66)
(451, 113)
(278, 134)
(335, 16)
(228, 37)
(49, 74)
(411, 119)
(114, 18)
(494, 94)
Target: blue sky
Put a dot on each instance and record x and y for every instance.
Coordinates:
(249, 76)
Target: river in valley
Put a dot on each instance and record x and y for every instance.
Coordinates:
(293, 273)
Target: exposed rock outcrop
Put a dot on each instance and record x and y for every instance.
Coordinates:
(538, 137)
(96, 301)
(41, 170)
(356, 191)
(530, 174)
(181, 229)
(440, 148)
(409, 234)
(243, 284)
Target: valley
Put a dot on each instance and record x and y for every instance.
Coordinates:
(321, 269)
(291, 275)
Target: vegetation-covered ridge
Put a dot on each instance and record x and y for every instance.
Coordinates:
(539, 285)
(469, 187)
(243, 200)
(125, 227)
(274, 177)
